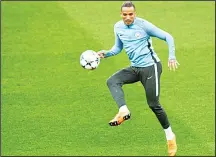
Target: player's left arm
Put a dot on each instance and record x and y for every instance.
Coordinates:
(154, 31)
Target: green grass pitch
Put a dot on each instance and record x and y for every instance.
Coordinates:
(52, 106)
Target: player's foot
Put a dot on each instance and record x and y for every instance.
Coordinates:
(172, 146)
(119, 118)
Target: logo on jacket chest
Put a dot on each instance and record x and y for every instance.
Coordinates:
(138, 34)
(131, 35)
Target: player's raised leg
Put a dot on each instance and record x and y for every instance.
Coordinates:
(115, 83)
(151, 83)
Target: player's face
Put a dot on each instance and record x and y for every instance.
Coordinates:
(128, 14)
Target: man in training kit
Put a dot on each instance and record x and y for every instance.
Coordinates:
(134, 34)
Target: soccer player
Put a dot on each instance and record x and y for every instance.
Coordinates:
(134, 35)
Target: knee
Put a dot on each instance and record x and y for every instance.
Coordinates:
(110, 81)
(154, 105)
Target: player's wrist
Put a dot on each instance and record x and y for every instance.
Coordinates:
(172, 58)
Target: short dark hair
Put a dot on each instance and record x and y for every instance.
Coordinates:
(128, 4)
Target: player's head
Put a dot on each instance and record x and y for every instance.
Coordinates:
(128, 12)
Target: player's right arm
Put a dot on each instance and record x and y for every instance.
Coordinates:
(116, 49)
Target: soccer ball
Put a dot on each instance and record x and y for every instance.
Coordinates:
(89, 60)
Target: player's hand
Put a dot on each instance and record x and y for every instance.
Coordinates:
(101, 53)
(173, 64)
